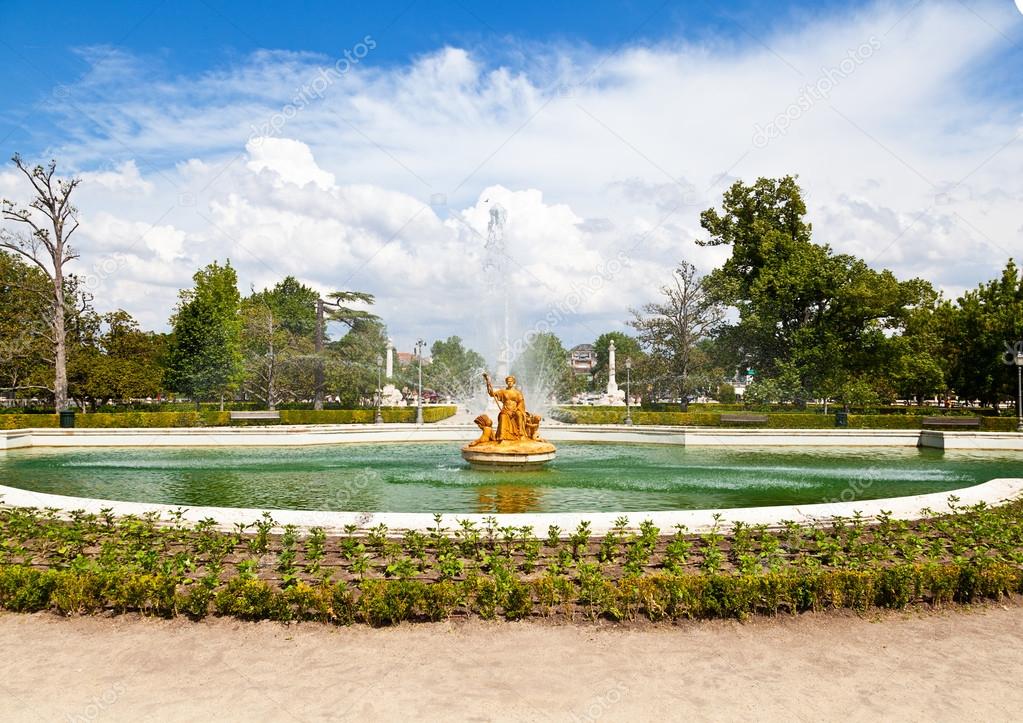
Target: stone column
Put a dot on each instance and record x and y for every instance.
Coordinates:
(390, 358)
(612, 385)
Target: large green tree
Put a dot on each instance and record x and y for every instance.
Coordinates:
(278, 336)
(830, 317)
(204, 358)
(978, 327)
(25, 347)
(116, 360)
(351, 362)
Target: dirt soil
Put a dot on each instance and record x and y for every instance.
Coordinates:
(962, 663)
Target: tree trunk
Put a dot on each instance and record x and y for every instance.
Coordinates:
(59, 342)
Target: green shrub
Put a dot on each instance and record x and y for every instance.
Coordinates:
(214, 418)
(883, 421)
(388, 602)
(252, 600)
(25, 589)
(78, 592)
(27, 421)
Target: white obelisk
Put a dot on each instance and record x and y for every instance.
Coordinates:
(390, 359)
(612, 385)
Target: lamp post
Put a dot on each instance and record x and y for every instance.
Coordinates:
(378, 418)
(1019, 388)
(628, 391)
(419, 399)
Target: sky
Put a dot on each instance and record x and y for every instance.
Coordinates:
(363, 146)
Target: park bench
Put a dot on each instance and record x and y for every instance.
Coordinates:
(744, 418)
(265, 415)
(960, 422)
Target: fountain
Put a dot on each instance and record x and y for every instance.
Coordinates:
(516, 442)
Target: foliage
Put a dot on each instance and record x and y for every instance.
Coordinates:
(213, 418)
(205, 358)
(25, 348)
(543, 369)
(454, 371)
(829, 317)
(672, 330)
(118, 361)
(95, 563)
(352, 362)
(278, 339)
(980, 325)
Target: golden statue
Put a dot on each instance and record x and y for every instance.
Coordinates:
(516, 441)
(511, 420)
(486, 426)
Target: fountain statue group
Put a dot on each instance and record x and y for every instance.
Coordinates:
(516, 441)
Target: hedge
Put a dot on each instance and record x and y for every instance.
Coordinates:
(786, 420)
(654, 596)
(211, 418)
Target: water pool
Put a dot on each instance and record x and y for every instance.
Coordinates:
(431, 477)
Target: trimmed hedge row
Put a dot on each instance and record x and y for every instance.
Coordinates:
(655, 596)
(211, 418)
(786, 420)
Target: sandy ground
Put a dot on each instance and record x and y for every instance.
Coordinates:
(951, 665)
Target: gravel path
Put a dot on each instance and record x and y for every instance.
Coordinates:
(949, 665)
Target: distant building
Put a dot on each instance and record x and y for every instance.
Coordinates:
(406, 357)
(583, 358)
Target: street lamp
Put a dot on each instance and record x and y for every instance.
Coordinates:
(379, 416)
(1019, 387)
(419, 400)
(628, 390)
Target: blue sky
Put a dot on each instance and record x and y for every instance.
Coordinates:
(206, 130)
(42, 44)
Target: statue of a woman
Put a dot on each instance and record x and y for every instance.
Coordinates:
(511, 421)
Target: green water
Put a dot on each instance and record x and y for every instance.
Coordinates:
(433, 477)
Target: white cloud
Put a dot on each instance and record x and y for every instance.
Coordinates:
(291, 160)
(385, 183)
(125, 177)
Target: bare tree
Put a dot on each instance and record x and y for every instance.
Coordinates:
(673, 328)
(52, 219)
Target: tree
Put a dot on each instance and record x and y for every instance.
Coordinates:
(351, 367)
(454, 371)
(25, 352)
(339, 311)
(673, 329)
(278, 328)
(543, 369)
(115, 359)
(830, 315)
(50, 216)
(976, 330)
(204, 358)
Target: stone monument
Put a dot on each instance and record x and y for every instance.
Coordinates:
(390, 396)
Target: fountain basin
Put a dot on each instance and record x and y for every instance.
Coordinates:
(523, 454)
